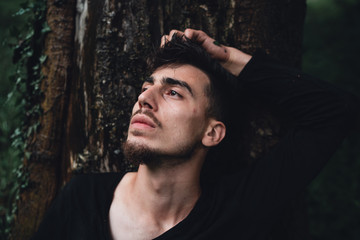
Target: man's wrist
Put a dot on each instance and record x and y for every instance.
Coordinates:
(237, 61)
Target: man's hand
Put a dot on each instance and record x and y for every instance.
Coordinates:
(230, 58)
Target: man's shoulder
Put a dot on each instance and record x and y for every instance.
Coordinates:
(95, 178)
(86, 183)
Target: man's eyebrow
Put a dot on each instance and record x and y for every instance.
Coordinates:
(149, 80)
(172, 81)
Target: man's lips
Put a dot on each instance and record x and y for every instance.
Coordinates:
(142, 120)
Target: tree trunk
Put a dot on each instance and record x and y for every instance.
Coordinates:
(96, 63)
(44, 164)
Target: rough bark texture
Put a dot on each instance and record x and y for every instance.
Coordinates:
(105, 82)
(102, 47)
(45, 146)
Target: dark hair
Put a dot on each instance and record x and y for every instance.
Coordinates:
(181, 50)
(221, 93)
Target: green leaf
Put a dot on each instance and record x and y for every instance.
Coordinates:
(30, 34)
(10, 94)
(21, 11)
(42, 59)
(27, 154)
(46, 28)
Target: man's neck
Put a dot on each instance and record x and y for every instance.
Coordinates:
(167, 194)
(150, 201)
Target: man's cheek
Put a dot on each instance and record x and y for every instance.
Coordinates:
(135, 108)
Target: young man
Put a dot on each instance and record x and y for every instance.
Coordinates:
(184, 110)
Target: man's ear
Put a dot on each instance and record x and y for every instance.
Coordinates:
(214, 133)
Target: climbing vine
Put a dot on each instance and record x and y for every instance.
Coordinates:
(28, 58)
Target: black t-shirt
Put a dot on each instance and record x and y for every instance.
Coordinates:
(244, 205)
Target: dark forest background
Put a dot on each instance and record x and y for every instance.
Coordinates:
(330, 51)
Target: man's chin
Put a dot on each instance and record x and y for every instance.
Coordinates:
(137, 153)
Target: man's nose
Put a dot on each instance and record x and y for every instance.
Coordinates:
(147, 99)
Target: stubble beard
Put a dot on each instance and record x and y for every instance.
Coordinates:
(137, 154)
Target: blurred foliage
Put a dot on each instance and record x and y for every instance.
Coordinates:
(22, 32)
(331, 51)
(10, 112)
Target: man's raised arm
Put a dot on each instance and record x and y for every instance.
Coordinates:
(230, 58)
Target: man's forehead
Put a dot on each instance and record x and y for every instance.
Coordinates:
(184, 72)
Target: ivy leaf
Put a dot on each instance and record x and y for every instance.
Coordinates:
(10, 94)
(29, 35)
(27, 154)
(46, 28)
(21, 11)
(42, 59)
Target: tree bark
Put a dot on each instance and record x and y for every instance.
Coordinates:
(96, 63)
(45, 147)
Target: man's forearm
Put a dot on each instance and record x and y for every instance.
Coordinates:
(237, 60)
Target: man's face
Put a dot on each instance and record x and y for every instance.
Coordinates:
(169, 117)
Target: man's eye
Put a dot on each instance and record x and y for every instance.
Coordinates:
(143, 89)
(174, 93)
